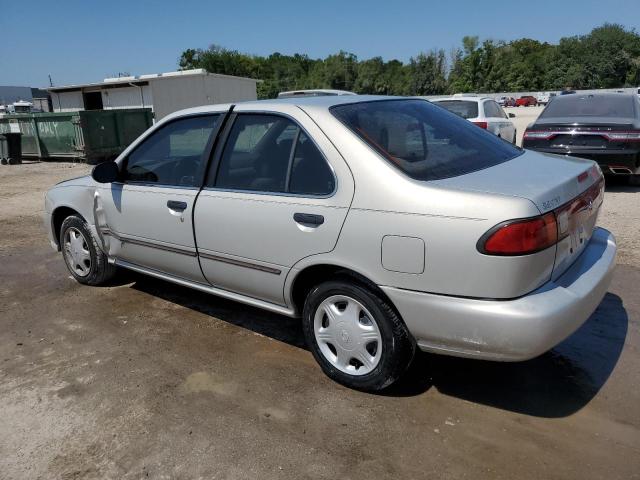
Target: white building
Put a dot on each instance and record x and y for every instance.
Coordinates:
(164, 93)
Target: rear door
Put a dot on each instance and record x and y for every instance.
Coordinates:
(277, 192)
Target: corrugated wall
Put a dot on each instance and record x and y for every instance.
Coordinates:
(67, 101)
(225, 89)
(127, 97)
(177, 93)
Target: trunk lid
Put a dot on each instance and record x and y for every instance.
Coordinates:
(572, 188)
(548, 180)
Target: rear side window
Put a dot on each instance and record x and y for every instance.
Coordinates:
(270, 153)
(590, 106)
(173, 155)
(464, 109)
(492, 110)
(422, 140)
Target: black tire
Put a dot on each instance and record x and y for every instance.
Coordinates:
(100, 270)
(398, 346)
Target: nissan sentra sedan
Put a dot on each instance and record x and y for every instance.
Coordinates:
(387, 224)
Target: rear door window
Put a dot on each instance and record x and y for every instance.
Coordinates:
(491, 109)
(423, 141)
(272, 154)
(462, 108)
(310, 173)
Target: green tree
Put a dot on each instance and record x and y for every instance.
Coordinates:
(428, 73)
(607, 57)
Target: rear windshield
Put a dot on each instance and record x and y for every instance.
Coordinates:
(424, 141)
(460, 107)
(590, 106)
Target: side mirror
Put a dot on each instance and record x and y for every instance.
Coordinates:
(512, 115)
(106, 172)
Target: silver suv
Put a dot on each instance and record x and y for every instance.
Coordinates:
(484, 112)
(385, 223)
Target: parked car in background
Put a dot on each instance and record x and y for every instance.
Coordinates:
(386, 223)
(506, 101)
(526, 101)
(567, 92)
(545, 97)
(604, 127)
(484, 112)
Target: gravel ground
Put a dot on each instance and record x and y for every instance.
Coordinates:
(143, 379)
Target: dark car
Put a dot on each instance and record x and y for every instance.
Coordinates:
(604, 127)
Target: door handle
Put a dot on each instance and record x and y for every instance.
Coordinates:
(308, 219)
(176, 205)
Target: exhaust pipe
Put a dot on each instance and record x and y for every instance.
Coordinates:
(621, 170)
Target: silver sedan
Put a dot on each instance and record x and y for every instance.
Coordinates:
(385, 223)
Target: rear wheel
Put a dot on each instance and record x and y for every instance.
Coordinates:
(85, 260)
(356, 336)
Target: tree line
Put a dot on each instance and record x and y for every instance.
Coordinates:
(607, 57)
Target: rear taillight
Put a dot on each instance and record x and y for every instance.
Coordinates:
(538, 135)
(481, 124)
(520, 237)
(622, 136)
(630, 136)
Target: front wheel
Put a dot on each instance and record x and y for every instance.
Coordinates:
(356, 336)
(85, 260)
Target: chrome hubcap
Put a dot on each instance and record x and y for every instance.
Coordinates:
(76, 252)
(347, 335)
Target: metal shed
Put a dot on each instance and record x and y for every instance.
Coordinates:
(164, 93)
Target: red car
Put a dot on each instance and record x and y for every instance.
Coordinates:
(526, 101)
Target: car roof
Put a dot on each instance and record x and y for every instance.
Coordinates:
(323, 101)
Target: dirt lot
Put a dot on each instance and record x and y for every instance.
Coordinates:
(146, 379)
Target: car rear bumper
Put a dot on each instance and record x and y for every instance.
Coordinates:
(511, 330)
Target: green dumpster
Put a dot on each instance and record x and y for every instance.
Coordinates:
(10, 148)
(85, 135)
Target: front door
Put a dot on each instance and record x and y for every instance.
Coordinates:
(148, 216)
(273, 199)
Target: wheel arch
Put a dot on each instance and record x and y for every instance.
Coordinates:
(57, 217)
(311, 275)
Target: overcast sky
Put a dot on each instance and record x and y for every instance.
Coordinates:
(80, 41)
